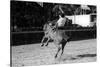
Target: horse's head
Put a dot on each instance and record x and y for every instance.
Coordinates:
(48, 26)
(45, 27)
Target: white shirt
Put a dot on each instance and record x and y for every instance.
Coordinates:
(61, 21)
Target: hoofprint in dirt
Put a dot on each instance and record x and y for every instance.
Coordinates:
(34, 54)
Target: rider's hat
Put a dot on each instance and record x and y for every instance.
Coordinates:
(62, 15)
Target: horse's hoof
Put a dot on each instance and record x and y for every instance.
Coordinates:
(55, 56)
(42, 45)
(46, 45)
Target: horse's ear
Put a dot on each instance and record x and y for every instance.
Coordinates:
(45, 26)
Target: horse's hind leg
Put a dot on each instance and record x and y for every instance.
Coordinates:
(63, 45)
(59, 48)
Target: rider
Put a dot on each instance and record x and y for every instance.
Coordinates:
(61, 21)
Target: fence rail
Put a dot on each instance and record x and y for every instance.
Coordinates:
(62, 30)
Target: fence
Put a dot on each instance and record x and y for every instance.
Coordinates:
(30, 37)
(63, 30)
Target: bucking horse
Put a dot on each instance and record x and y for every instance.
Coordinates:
(58, 36)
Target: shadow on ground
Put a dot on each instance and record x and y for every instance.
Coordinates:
(80, 57)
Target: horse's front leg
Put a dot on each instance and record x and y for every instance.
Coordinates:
(42, 42)
(47, 41)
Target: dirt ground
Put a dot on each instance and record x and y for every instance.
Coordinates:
(34, 54)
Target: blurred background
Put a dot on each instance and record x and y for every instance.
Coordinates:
(27, 20)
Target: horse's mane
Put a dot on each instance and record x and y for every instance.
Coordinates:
(53, 21)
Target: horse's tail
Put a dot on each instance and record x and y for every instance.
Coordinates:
(66, 38)
(69, 39)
